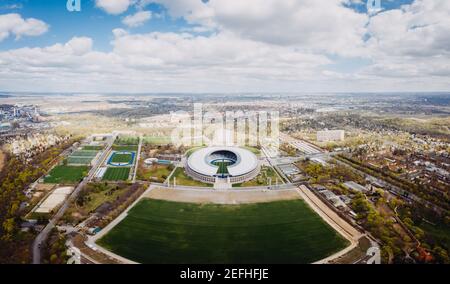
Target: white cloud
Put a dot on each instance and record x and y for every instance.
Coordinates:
(14, 24)
(79, 45)
(114, 7)
(321, 25)
(254, 45)
(137, 19)
(413, 41)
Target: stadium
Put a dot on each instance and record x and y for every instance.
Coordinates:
(229, 164)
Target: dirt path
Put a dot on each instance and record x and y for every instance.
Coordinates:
(222, 197)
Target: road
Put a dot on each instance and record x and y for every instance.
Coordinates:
(138, 157)
(43, 235)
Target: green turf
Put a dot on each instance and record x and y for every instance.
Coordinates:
(79, 160)
(93, 148)
(157, 140)
(223, 167)
(125, 148)
(262, 179)
(66, 174)
(127, 140)
(122, 158)
(157, 231)
(83, 153)
(183, 179)
(116, 174)
(155, 172)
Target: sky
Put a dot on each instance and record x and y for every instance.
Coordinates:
(225, 46)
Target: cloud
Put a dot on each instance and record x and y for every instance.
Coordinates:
(321, 25)
(114, 7)
(252, 45)
(413, 41)
(137, 19)
(14, 24)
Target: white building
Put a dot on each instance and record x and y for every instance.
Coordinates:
(330, 135)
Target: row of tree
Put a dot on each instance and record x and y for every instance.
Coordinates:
(16, 176)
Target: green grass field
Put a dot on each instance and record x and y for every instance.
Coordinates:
(254, 150)
(79, 160)
(125, 148)
(157, 140)
(157, 231)
(122, 158)
(93, 148)
(127, 140)
(183, 179)
(116, 174)
(223, 167)
(83, 153)
(262, 178)
(157, 173)
(66, 174)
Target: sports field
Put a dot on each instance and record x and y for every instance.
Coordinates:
(79, 160)
(122, 158)
(157, 140)
(83, 153)
(125, 147)
(92, 148)
(157, 231)
(115, 174)
(66, 174)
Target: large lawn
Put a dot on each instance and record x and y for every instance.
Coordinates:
(116, 174)
(183, 179)
(157, 173)
(66, 174)
(157, 231)
(125, 147)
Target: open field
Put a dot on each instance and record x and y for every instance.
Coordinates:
(157, 231)
(79, 160)
(183, 179)
(92, 148)
(262, 178)
(115, 174)
(254, 150)
(83, 153)
(157, 140)
(125, 148)
(66, 174)
(232, 197)
(157, 173)
(127, 140)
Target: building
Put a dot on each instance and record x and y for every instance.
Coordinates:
(330, 135)
(227, 165)
(355, 186)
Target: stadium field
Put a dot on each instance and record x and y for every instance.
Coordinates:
(66, 174)
(116, 174)
(157, 231)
